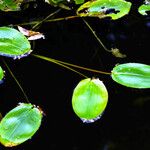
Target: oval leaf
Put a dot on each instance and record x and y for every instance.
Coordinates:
(143, 9)
(104, 8)
(133, 75)
(20, 124)
(13, 43)
(89, 99)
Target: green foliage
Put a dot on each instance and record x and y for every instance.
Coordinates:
(13, 43)
(59, 3)
(143, 9)
(133, 75)
(63, 3)
(20, 124)
(79, 1)
(104, 8)
(10, 5)
(90, 96)
(1, 73)
(89, 99)
(54, 2)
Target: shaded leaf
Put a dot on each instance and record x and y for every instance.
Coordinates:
(133, 75)
(20, 124)
(116, 52)
(89, 99)
(13, 43)
(104, 8)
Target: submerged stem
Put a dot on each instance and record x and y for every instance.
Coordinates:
(69, 64)
(58, 63)
(50, 15)
(8, 68)
(98, 39)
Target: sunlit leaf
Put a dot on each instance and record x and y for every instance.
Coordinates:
(143, 9)
(55, 2)
(13, 43)
(10, 5)
(133, 75)
(79, 1)
(59, 3)
(104, 8)
(1, 73)
(20, 124)
(13, 5)
(89, 99)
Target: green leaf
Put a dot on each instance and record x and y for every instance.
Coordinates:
(89, 99)
(143, 9)
(79, 1)
(1, 73)
(133, 75)
(13, 43)
(54, 2)
(10, 5)
(104, 8)
(20, 124)
(59, 3)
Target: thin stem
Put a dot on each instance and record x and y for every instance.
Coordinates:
(50, 15)
(51, 20)
(8, 68)
(98, 39)
(58, 63)
(72, 65)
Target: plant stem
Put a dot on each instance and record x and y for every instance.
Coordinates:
(50, 15)
(51, 20)
(58, 63)
(69, 64)
(8, 68)
(98, 39)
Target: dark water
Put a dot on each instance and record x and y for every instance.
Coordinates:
(125, 123)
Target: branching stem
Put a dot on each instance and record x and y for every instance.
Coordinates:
(65, 64)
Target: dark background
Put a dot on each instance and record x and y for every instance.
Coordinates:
(125, 123)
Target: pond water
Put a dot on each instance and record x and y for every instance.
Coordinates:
(124, 125)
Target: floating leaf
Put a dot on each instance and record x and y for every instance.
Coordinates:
(10, 5)
(79, 1)
(20, 124)
(143, 9)
(59, 3)
(13, 43)
(104, 8)
(89, 99)
(13, 5)
(133, 75)
(1, 74)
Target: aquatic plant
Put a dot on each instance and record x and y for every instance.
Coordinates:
(90, 96)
